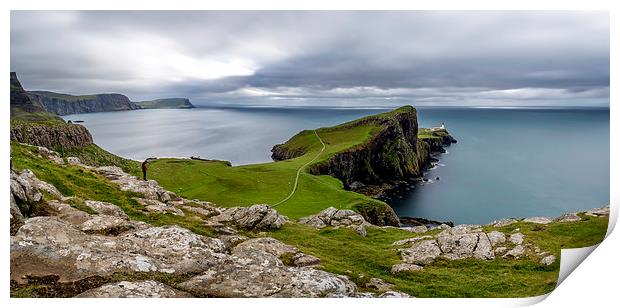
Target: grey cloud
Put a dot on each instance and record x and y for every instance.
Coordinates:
(449, 58)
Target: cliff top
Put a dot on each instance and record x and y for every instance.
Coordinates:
(166, 103)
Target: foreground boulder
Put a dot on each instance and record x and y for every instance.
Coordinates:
(137, 289)
(50, 246)
(253, 272)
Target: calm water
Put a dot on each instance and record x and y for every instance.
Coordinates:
(507, 162)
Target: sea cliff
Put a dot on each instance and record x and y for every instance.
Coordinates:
(63, 104)
(393, 153)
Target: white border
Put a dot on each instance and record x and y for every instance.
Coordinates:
(594, 282)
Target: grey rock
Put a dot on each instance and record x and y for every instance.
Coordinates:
(538, 220)
(416, 229)
(266, 244)
(515, 253)
(568, 217)
(379, 285)
(106, 225)
(423, 253)
(394, 294)
(504, 222)
(47, 245)
(134, 289)
(484, 249)
(548, 260)
(73, 161)
(457, 243)
(517, 238)
(411, 240)
(256, 217)
(67, 213)
(302, 259)
(603, 211)
(256, 273)
(153, 205)
(500, 250)
(106, 208)
(16, 217)
(405, 267)
(496, 238)
(334, 217)
(28, 176)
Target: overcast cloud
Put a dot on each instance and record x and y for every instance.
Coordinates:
(319, 58)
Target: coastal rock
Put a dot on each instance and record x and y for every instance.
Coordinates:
(106, 208)
(149, 189)
(256, 273)
(61, 135)
(394, 294)
(34, 182)
(538, 220)
(496, 238)
(548, 260)
(106, 225)
(302, 259)
(256, 217)
(411, 240)
(568, 217)
(423, 253)
(405, 267)
(603, 211)
(73, 161)
(504, 222)
(49, 154)
(379, 285)
(266, 244)
(334, 217)
(517, 238)
(153, 205)
(458, 242)
(416, 229)
(500, 250)
(46, 246)
(16, 217)
(515, 253)
(66, 212)
(134, 289)
(484, 249)
(63, 104)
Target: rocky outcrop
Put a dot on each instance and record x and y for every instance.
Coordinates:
(462, 242)
(253, 271)
(134, 289)
(57, 136)
(259, 217)
(337, 218)
(63, 104)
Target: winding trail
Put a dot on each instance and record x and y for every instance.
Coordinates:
(299, 172)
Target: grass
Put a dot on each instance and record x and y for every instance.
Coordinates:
(86, 185)
(269, 182)
(65, 97)
(342, 251)
(93, 155)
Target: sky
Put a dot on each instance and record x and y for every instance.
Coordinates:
(319, 58)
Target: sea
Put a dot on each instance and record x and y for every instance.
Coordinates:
(508, 162)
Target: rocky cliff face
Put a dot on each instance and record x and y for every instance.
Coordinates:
(20, 99)
(63, 104)
(393, 154)
(59, 136)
